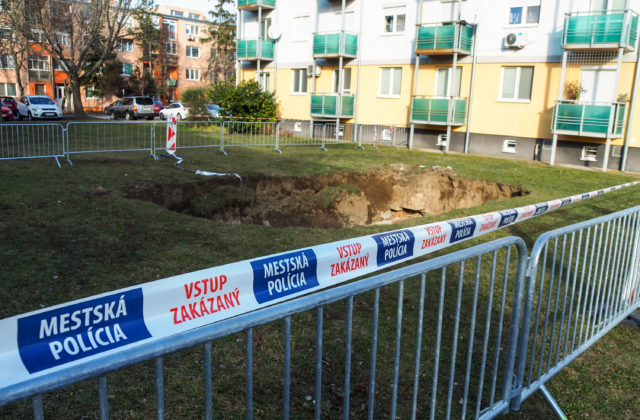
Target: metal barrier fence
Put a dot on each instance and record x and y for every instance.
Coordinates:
(468, 334)
(96, 137)
(582, 281)
(22, 141)
(28, 141)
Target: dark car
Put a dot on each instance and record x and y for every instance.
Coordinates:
(157, 106)
(133, 107)
(11, 103)
(108, 108)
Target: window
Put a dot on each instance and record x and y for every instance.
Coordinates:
(40, 90)
(589, 153)
(300, 29)
(127, 69)
(193, 52)
(193, 30)
(524, 15)
(125, 45)
(194, 16)
(36, 35)
(8, 89)
(170, 48)
(516, 83)
(394, 19)
(169, 27)
(177, 13)
(193, 74)
(7, 62)
(93, 92)
(390, 82)
(607, 5)
(213, 53)
(299, 81)
(616, 151)
(346, 81)
(265, 80)
(63, 38)
(58, 65)
(442, 81)
(265, 24)
(5, 33)
(38, 62)
(509, 146)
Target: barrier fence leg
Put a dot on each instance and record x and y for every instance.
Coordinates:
(38, 414)
(102, 396)
(221, 150)
(359, 146)
(159, 390)
(152, 149)
(277, 148)
(323, 146)
(65, 145)
(552, 402)
(208, 385)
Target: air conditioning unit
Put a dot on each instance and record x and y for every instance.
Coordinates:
(514, 40)
(191, 37)
(442, 140)
(310, 70)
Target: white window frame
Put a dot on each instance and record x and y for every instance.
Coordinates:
(298, 81)
(616, 151)
(193, 74)
(11, 64)
(173, 50)
(125, 45)
(124, 73)
(525, 5)
(334, 82)
(509, 146)
(589, 154)
(516, 88)
(5, 92)
(172, 24)
(459, 87)
(194, 16)
(393, 12)
(190, 51)
(192, 30)
(265, 76)
(93, 90)
(387, 92)
(63, 38)
(7, 30)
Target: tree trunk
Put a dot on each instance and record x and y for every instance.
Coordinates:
(78, 110)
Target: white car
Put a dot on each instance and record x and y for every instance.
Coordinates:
(38, 106)
(175, 109)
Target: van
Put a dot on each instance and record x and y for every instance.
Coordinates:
(133, 107)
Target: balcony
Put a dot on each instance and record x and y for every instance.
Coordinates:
(255, 4)
(172, 82)
(335, 45)
(254, 49)
(39, 75)
(445, 38)
(589, 119)
(600, 30)
(431, 110)
(326, 106)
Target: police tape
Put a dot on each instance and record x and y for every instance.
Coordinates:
(84, 330)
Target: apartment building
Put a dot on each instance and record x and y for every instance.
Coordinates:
(549, 80)
(187, 63)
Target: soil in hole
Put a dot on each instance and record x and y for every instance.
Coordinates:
(332, 201)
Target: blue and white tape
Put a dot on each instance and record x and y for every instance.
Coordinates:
(75, 332)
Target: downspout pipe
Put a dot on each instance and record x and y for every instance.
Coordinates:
(473, 78)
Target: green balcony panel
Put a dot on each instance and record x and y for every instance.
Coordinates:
(599, 30)
(254, 4)
(326, 106)
(255, 49)
(335, 44)
(589, 120)
(445, 39)
(434, 111)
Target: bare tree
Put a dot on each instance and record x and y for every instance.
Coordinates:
(14, 44)
(222, 34)
(80, 35)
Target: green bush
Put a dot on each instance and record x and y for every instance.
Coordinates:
(245, 100)
(195, 99)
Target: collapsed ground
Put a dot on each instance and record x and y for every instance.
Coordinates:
(382, 196)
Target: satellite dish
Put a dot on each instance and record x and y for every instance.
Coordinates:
(274, 32)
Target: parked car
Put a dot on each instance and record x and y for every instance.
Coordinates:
(11, 103)
(133, 107)
(108, 108)
(213, 109)
(157, 106)
(38, 106)
(7, 113)
(175, 109)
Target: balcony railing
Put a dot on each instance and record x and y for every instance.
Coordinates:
(589, 119)
(335, 44)
(433, 110)
(601, 30)
(326, 106)
(254, 49)
(39, 75)
(445, 38)
(254, 4)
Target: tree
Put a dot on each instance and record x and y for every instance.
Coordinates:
(222, 38)
(14, 43)
(245, 100)
(80, 35)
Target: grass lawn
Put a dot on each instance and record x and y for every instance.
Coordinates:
(70, 233)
